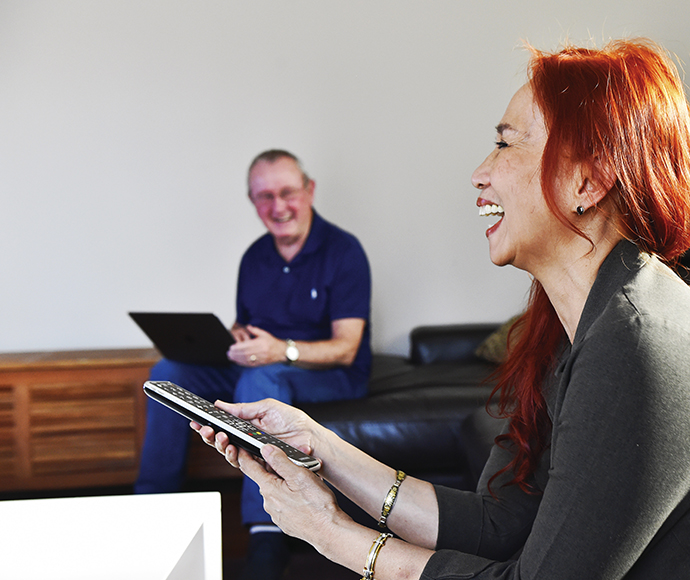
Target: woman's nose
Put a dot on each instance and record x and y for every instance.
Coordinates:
(480, 176)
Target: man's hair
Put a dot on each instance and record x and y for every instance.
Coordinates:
(273, 155)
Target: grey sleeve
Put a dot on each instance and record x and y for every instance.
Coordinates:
(492, 526)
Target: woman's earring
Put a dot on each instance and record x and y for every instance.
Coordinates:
(580, 210)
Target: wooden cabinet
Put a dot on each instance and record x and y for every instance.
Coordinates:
(72, 419)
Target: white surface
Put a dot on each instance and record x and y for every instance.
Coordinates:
(134, 537)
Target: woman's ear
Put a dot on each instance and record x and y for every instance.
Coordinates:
(595, 183)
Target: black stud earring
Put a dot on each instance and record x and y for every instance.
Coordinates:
(580, 210)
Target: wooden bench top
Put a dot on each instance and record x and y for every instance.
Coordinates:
(74, 359)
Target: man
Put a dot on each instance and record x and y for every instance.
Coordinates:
(302, 332)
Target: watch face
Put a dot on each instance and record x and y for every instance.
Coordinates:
(292, 353)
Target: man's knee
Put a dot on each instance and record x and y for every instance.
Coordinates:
(179, 373)
(263, 382)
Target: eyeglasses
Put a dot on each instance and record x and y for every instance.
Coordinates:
(288, 194)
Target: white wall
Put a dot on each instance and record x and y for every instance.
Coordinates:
(126, 127)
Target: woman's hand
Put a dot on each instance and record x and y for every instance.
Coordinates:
(283, 421)
(301, 505)
(298, 500)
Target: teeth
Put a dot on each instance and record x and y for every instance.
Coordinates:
(490, 209)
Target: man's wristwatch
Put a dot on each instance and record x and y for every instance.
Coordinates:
(291, 352)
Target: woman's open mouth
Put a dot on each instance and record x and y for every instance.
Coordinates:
(491, 209)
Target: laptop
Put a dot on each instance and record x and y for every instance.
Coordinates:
(187, 337)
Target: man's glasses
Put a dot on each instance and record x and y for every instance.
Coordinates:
(288, 194)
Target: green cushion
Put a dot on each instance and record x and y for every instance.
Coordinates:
(493, 348)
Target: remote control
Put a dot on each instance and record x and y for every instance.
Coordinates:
(242, 433)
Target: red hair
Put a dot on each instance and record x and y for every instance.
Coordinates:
(619, 109)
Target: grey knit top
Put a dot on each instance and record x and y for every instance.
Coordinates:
(614, 484)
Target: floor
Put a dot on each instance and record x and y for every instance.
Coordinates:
(305, 561)
(303, 564)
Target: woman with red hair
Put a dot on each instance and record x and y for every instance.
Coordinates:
(590, 179)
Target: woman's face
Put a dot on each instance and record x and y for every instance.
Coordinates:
(527, 232)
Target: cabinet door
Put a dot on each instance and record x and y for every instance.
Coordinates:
(9, 454)
(83, 428)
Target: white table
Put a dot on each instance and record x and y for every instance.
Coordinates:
(148, 537)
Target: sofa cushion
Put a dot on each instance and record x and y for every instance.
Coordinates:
(447, 343)
(416, 430)
(412, 377)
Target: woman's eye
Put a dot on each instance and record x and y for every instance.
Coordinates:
(501, 144)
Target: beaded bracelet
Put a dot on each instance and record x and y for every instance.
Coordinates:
(390, 498)
(373, 553)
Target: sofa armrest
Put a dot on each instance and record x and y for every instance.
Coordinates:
(447, 342)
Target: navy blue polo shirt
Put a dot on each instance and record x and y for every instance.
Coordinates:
(328, 280)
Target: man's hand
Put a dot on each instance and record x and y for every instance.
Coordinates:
(240, 333)
(258, 348)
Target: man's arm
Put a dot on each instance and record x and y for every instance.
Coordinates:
(264, 348)
(339, 350)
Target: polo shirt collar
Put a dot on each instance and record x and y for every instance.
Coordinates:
(317, 234)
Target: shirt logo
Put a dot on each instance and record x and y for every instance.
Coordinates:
(314, 294)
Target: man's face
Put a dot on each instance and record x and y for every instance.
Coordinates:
(282, 200)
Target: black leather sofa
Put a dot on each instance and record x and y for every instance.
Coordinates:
(425, 414)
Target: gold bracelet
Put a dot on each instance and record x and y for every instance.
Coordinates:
(390, 498)
(373, 553)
